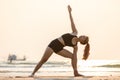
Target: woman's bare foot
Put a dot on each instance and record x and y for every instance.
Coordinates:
(78, 75)
(31, 75)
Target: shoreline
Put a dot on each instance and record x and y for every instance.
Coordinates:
(59, 78)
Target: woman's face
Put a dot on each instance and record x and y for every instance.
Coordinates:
(83, 39)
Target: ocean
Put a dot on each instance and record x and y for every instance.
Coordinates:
(61, 68)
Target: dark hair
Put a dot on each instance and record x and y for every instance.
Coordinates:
(86, 51)
(87, 47)
(85, 41)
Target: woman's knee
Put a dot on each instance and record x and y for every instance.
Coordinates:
(46, 55)
(44, 60)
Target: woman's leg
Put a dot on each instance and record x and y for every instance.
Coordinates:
(65, 53)
(47, 54)
(68, 54)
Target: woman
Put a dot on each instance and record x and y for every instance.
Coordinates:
(69, 39)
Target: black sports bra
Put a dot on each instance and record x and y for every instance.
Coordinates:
(68, 39)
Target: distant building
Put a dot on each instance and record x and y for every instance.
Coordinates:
(12, 57)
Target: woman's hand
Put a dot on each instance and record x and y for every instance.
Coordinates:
(69, 8)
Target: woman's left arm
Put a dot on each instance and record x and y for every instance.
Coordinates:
(75, 49)
(74, 59)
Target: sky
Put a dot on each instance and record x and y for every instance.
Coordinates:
(28, 26)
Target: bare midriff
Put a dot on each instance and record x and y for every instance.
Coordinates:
(61, 40)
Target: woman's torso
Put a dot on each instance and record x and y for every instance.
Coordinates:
(68, 39)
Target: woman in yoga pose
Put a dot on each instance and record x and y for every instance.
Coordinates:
(68, 39)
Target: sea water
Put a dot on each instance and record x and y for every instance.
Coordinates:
(61, 68)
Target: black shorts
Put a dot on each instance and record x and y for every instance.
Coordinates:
(56, 45)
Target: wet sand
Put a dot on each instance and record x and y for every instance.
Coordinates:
(59, 78)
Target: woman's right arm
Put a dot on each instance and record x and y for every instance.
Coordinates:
(74, 30)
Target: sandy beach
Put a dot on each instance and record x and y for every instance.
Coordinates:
(59, 78)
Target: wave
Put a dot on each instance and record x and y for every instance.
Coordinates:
(33, 63)
(28, 64)
(111, 66)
